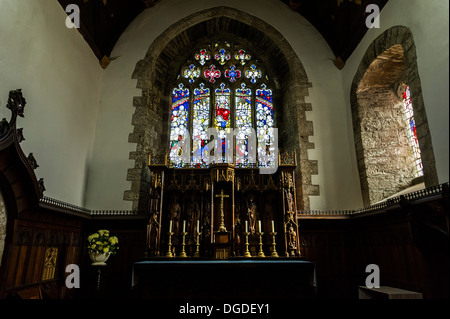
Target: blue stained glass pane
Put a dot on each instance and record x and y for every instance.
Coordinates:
(179, 125)
(264, 126)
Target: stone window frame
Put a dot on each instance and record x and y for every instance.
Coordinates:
(152, 106)
(397, 35)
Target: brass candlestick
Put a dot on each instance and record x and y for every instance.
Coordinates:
(197, 243)
(169, 251)
(274, 244)
(261, 252)
(183, 251)
(246, 252)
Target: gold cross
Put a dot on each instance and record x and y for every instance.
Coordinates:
(222, 227)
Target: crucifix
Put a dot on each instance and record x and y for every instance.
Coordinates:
(222, 227)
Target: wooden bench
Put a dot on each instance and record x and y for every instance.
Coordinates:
(385, 292)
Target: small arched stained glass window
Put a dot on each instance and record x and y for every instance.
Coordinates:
(411, 131)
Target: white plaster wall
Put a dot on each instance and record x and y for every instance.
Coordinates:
(338, 176)
(429, 24)
(60, 78)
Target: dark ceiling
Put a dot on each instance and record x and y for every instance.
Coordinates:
(341, 22)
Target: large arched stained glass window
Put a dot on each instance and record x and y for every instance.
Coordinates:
(222, 104)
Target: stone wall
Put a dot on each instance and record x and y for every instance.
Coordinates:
(294, 136)
(381, 147)
(388, 161)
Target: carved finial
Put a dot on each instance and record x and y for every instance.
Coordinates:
(41, 185)
(20, 137)
(32, 161)
(16, 102)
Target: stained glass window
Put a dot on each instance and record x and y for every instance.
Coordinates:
(212, 73)
(203, 56)
(232, 74)
(264, 126)
(179, 125)
(200, 125)
(226, 101)
(222, 107)
(191, 73)
(222, 55)
(222, 120)
(243, 124)
(253, 73)
(411, 131)
(242, 56)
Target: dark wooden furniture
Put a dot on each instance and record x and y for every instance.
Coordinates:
(231, 279)
(223, 199)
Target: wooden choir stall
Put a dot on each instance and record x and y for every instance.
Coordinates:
(223, 220)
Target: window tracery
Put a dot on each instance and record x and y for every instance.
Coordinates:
(222, 87)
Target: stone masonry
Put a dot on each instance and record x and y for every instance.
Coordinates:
(156, 75)
(384, 157)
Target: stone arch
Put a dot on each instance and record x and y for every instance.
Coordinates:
(162, 62)
(389, 62)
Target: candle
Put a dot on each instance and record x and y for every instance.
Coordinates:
(273, 227)
(259, 225)
(246, 227)
(198, 226)
(170, 226)
(184, 226)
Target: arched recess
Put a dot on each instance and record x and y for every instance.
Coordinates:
(390, 62)
(156, 73)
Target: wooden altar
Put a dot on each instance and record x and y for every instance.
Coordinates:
(222, 211)
(271, 279)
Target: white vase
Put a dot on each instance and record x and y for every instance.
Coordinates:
(99, 259)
